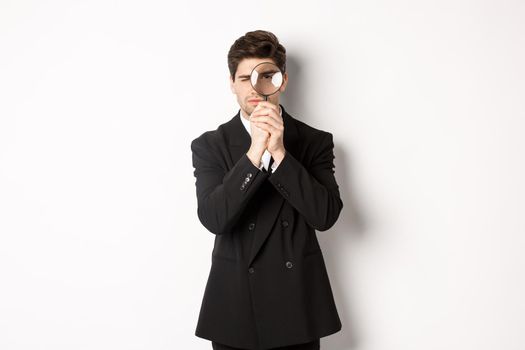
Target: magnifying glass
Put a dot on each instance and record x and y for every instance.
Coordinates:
(266, 78)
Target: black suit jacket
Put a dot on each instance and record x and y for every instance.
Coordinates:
(268, 285)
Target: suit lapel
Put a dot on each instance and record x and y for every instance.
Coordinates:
(239, 141)
(237, 138)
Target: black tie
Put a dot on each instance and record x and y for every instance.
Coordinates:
(270, 165)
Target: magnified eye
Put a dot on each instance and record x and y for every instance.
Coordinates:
(266, 78)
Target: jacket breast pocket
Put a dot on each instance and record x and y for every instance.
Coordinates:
(219, 257)
(312, 252)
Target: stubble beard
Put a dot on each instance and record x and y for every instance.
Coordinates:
(249, 109)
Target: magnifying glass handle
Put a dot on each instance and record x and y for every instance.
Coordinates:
(265, 98)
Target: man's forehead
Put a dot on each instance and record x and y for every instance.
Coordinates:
(246, 66)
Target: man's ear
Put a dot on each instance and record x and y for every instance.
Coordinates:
(231, 85)
(285, 82)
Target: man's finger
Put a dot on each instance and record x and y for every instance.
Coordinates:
(266, 127)
(271, 113)
(267, 104)
(268, 120)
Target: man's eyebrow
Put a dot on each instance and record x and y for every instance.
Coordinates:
(261, 73)
(269, 72)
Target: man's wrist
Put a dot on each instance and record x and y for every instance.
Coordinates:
(254, 157)
(278, 156)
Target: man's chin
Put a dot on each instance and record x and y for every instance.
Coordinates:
(249, 110)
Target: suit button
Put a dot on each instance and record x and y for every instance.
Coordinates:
(251, 226)
(289, 264)
(251, 270)
(242, 187)
(284, 223)
(249, 174)
(247, 179)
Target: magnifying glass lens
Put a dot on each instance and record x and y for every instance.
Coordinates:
(266, 78)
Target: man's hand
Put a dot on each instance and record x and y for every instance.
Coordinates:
(259, 143)
(266, 117)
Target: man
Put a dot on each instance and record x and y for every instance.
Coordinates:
(265, 182)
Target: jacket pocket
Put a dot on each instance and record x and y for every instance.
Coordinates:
(312, 252)
(223, 258)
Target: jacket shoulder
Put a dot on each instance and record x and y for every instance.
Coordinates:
(204, 139)
(310, 133)
(210, 147)
(211, 137)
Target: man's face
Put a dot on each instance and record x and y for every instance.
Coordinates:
(243, 89)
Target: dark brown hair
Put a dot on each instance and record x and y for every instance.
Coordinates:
(256, 44)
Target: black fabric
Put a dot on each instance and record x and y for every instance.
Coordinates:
(268, 285)
(269, 171)
(313, 345)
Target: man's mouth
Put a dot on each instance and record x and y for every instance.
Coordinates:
(254, 101)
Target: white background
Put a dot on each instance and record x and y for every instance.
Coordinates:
(100, 244)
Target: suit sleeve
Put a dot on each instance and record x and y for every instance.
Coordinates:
(313, 192)
(222, 195)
